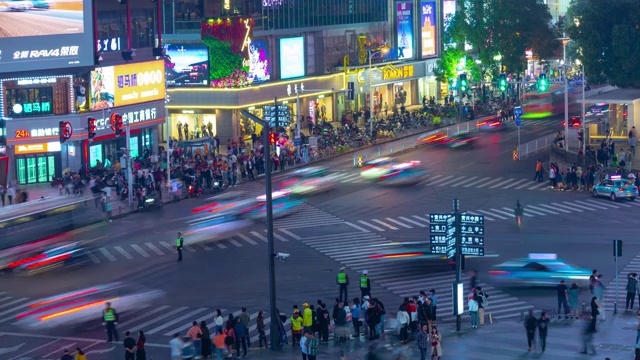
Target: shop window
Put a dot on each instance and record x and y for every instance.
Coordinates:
(21, 168)
(42, 169)
(31, 170)
(52, 167)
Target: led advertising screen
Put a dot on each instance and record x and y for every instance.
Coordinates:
(128, 84)
(95, 154)
(43, 34)
(259, 62)
(405, 29)
(292, 57)
(428, 28)
(186, 64)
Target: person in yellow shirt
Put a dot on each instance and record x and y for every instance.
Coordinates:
(296, 329)
(80, 354)
(307, 318)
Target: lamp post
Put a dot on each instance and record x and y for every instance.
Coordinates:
(382, 50)
(565, 40)
(584, 113)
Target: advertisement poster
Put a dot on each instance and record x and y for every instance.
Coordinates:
(41, 34)
(114, 86)
(292, 57)
(259, 62)
(186, 64)
(405, 30)
(428, 28)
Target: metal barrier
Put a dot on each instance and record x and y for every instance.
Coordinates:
(536, 145)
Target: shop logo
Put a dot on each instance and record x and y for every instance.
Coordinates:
(46, 53)
(32, 108)
(140, 79)
(130, 117)
(23, 133)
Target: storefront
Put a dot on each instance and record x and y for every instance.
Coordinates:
(218, 110)
(616, 113)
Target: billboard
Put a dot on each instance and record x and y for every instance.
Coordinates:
(448, 10)
(259, 62)
(120, 85)
(292, 57)
(428, 28)
(405, 39)
(186, 64)
(37, 35)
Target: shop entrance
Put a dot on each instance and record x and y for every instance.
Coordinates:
(36, 169)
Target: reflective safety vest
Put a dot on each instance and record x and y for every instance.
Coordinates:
(342, 277)
(363, 282)
(109, 314)
(179, 242)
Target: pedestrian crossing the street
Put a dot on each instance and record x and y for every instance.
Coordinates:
(498, 213)
(159, 320)
(355, 250)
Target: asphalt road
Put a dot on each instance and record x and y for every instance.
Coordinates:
(40, 22)
(345, 226)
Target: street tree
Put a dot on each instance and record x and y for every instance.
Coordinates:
(605, 35)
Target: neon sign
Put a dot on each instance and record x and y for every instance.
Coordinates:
(31, 108)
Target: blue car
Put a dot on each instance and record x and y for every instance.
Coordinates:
(539, 270)
(616, 188)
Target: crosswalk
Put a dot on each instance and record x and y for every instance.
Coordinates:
(557, 208)
(159, 320)
(610, 294)
(354, 250)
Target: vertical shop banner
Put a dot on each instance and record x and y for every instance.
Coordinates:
(405, 30)
(428, 28)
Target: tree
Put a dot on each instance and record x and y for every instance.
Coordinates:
(606, 37)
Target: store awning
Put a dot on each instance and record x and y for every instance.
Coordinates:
(617, 96)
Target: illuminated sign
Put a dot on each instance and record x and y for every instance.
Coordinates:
(127, 84)
(130, 117)
(428, 28)
(404, 18)
(391, 72)
(53, 35)
(32, 108)
(37, 148)
(37, 81)
(108, 45)
(259, 62)
(227, 5)
(186, 64)
(292, 57)
(35, 133)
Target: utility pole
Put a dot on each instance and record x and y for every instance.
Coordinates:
(458, 261)
(129, 163)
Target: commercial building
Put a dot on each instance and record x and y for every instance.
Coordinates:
(280, 46)
(52, 75)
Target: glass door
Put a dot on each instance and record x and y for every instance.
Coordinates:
(51, 167)
(31, 170)
(21, 170)
(42, 169)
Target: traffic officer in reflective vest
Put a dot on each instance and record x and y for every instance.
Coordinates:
(343, 282)
(179, 245)
(110, 320)
(365, 285)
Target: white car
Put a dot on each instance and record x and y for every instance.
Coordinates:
(20, 5)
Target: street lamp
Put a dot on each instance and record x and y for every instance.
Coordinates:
(584, 113)
(381, 50)
(565, 40)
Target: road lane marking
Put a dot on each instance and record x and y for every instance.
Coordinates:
(146, 314)
(579, 206)
(384, 224)
(412, 222)
(220, 246)
(507, 213)
(489, 183)
(477, 182)
(525, 214)
(93, 257)
(399, 223)
(449, 181)
(356, 226)
(567, 209)
(140, 250)
(371, 226)
(543, 208)
(500, 184)
(123, 252)
(515, 183)
(246, 238)
(185, 327)
(154, 248)
(601, 204)
(175, 320)
(492, 214)
(161, 317)
(107, 254)
(421, 218)
(13, 309)
(235, 243)
(485, 216)
(168, 246)
(294, 236)
(429, 178)
(439, 180)
(259, 236)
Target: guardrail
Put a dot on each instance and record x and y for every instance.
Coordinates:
(536, 145)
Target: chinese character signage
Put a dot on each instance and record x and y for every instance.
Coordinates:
(428, 28)
(404, 19)
(391, 72)
(42, 35)
(128, 84)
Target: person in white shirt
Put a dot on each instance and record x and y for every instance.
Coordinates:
(303, 345)
(403, 323)
(176, 346)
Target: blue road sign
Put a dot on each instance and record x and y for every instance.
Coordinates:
(517, 111)
(297, 141)
(518, 121)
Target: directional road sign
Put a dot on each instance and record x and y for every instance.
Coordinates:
(473, 251)
(518, 120)
(438, 239)
(439, 218)
(472, 240)
(468, 219)
(517, 111)
(472, 229)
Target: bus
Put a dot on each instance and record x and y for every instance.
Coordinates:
(537, 105)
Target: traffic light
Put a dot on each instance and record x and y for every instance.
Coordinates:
(463, 83)
(543, 83)
(273, 138)
(351, 91)
(502, 82)
(580, 136)
(61, 132)
(91, 128)
(617, 248)
(116, 123)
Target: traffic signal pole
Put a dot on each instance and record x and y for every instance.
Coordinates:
(129, 164)
(458, 261)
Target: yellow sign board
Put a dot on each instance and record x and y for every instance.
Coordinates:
(391, 72)
(127, 84)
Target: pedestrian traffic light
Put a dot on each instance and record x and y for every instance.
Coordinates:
(61, 131)
(543, 83)
(580, 136)
(91, 128)
(273, 138)
(502, 82)
(351, 91)
(463, 83)
(65, 130)
(116, 123)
